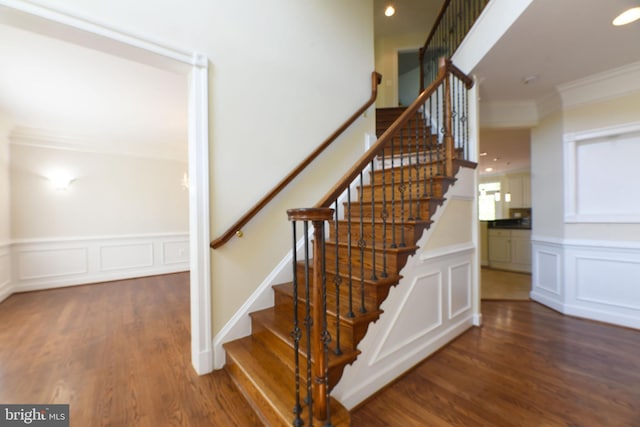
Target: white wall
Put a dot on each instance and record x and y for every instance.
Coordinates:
(111, 194)
(121, 217)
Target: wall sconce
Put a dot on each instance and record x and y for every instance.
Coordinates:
(496, 195)
(60, 180)
(185, 181)
(507, 197)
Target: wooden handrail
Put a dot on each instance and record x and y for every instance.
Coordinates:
(236, 228)
(444, 69)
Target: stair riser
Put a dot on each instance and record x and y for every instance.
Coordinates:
(435, 188)
(411, 232)
(394, 260)
(375, 291)
(408, 172)
(350, 333)
(416, 209)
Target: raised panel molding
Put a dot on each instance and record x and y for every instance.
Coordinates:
(459, 289)
(411, 321)
(605, 197)
(591, 279)
(45, 264)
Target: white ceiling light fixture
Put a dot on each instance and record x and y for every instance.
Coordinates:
(389, 10)
(627, 17)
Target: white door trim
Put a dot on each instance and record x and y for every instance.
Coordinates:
(195, 67)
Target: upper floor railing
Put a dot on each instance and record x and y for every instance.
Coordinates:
(452, 25)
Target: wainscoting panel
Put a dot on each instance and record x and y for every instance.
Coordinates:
(48, 264)
(603, 281)
(598, 280)
(459, 289)
(126, 256)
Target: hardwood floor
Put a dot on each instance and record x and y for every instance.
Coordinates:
(119, 354)
(504, 285)
(527, 366)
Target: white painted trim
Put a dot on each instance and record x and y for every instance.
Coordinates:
(571, 142)
(601, 86)
(123, 43)
(199, 232)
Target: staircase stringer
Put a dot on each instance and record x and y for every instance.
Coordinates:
(413, 326)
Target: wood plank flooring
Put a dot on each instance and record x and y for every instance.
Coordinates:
(504, 285)
(119, 354)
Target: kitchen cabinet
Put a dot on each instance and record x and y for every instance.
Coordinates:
(519, 186)
(510, 249)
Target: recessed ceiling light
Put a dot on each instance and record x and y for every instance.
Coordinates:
(389, 10)
(488, 170)
(484, 153)
(627, 17)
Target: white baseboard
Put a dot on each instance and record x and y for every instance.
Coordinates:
(53, 263)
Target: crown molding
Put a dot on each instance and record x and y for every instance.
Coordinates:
(55, 140)
(601, 86)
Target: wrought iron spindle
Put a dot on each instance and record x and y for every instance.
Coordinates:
(384, 215)
(409, 168)
(373, 224)
(362, 243)
(394, 244)
(350, 313)
(325, 335)
(402, 190)
(296, 334)
(337, 280)
(416, 168)
(307, 319)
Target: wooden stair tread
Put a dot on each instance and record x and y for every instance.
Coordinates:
(370, 316)
(269, 383)
(280, 326)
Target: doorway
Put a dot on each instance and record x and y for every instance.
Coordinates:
(194, 68)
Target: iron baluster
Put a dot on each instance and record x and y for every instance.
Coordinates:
(402, 189)
(307, 320)
(362, 243)
(296, 333)
(349, 256)
(384, 215)
(326, 336)
(337, 280)
(393, 195)
(373, 224)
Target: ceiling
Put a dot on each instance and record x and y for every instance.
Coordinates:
(412, 16)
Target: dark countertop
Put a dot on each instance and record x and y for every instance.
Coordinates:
(510, 224)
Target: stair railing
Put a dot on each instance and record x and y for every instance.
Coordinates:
(236, 228)
(455, 19)
(416, 154)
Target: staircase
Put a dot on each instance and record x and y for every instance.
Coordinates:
(373, 232)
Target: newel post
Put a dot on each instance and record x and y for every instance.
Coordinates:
(319, 334)
(448, 134)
